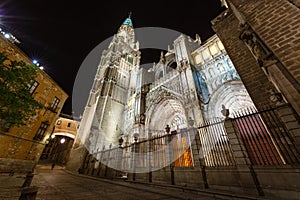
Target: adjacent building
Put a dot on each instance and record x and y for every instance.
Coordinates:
(21, 147)
(262, 38)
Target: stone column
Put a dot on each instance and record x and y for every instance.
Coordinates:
(198, 156)
(248, 179)
(292, 122)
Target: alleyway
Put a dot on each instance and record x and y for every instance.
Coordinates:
(59, 184)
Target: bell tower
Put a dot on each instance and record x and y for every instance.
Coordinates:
(114, 83)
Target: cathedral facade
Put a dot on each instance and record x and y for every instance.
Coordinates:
(191, 82)
(164, 123)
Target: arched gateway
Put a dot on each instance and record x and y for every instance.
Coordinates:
(167, 109)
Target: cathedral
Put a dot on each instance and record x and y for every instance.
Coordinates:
(192, 82)
(187, 119)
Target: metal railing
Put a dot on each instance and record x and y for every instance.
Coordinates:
(215, 144)
(265, 137)
(158, 151)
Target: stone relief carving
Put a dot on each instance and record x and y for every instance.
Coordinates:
(255, 45)
(276, 97)
(225, 111)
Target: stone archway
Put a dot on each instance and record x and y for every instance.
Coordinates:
(233, 95)
(168, 111)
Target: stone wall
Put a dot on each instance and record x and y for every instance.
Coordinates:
(224, 178)
(18, 141)
(276, 24)
(280, 181)
(162, 176)
(255, 81)
(17, 165)
(190, 177)
(76, 159)
(276, 182)
(13, 175)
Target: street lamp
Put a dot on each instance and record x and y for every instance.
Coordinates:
(62, 140)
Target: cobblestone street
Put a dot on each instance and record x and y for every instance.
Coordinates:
(58, 184)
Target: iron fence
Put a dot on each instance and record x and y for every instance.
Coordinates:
(265, 137)
(158, 151)
(215, 145)
(170, 149)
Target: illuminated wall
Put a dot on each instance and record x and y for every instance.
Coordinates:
(27, 142)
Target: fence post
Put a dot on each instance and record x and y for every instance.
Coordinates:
(247, 175)
(107, 161)
(119, 158)
(291, 120)
(198, 156)
(150, 150)
(133, 150)
(171, 157)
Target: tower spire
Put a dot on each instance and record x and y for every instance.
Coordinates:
(128, 20)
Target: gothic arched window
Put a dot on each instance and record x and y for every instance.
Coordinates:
(160, 74)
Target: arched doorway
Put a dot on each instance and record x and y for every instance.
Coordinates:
(170, 111)
(58, 147)
(233, 95)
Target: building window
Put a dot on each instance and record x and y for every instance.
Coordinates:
(220, 45)
(41, 132)
(160, 74)
(69, 124)
(55, 103)
(58, 122)
(130, 59)
(213, 50)
(206, 54)
(198, 59)
(33, 87)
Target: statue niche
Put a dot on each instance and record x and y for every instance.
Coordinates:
(255, 45)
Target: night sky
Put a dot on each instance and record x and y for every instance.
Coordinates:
(60, 34)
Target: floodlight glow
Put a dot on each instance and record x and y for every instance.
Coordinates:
(34, 61)
(62, 140)
(7, 35)
(41, 67)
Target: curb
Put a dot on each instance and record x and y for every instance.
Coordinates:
(208, 193)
